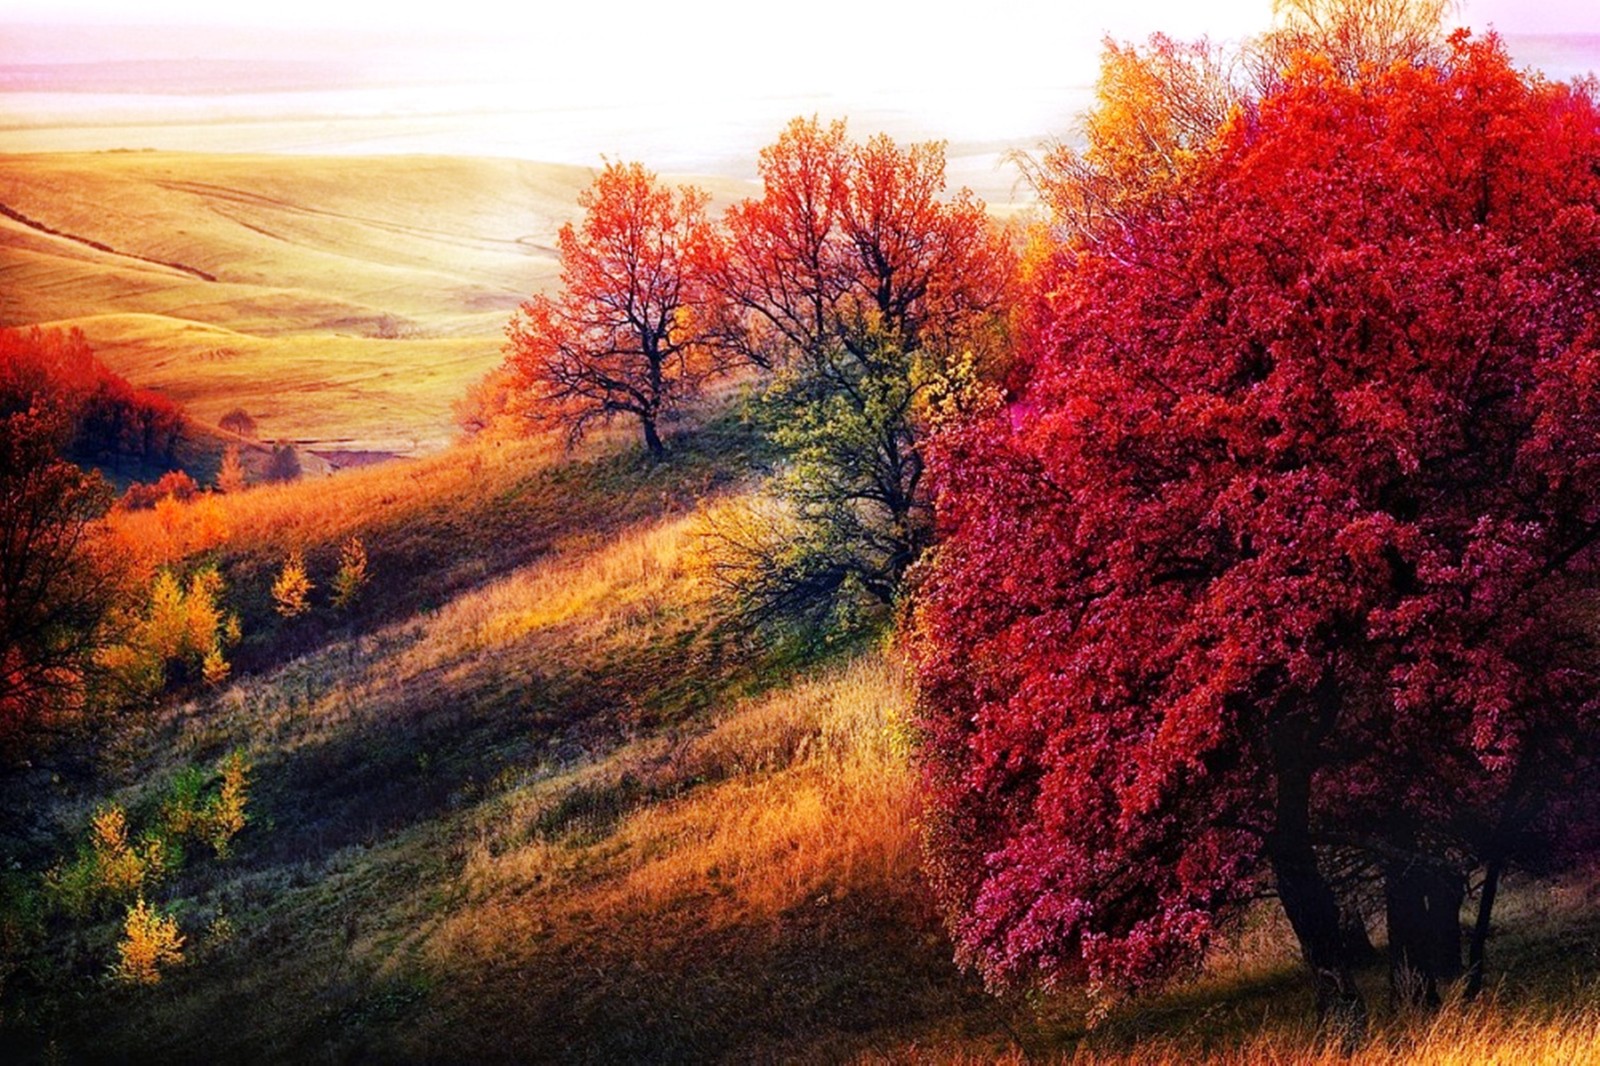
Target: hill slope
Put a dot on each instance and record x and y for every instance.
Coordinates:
(342, 302)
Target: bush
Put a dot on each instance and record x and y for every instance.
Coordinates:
(174, 484)
(291, 591)
(352, 576)
(150, 941)
(284, 464)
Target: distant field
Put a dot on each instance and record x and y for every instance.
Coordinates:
(343, 302)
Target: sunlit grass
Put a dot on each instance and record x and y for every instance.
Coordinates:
(791, 797)
(1489, 1034)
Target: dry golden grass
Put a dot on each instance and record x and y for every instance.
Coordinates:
(804, 795)
(1489, 1034)
(344, 302)
(271, 518)
(329, 389)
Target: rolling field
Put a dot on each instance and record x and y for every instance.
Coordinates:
(532, 796)
(344, 303)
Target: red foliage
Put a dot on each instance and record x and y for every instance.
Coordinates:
(53, 590)
(174, 483)
(1285, 567)
(110, 418)
(634, 329)
(850, 238)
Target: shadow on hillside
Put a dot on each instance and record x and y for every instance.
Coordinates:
(425, 553)
(823, 981)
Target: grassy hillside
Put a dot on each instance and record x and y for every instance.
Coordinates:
(344, 303)
(531, 802)
(530, 798)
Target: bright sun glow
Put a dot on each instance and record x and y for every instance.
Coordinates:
(695, 86)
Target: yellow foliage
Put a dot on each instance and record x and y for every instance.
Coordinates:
(150, 941)
(118, 866)
(214, 668)
(225, 816)
(112, 867)
(178, 626)
(352, 576)
(166, 629)
(292, 589)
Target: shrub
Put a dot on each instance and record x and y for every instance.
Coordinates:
(292, 590)
(352, 576)
(108, 867)
(150, 941)
(230, 476)
(174, 483)
(284, 465)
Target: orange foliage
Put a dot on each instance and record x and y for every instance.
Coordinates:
(634, 330)
(174, 483)
(230, 476)
(849, 239)
(171, 531)
(109, 417)
(1155, 110)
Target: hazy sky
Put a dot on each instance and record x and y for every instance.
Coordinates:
(623, 47)
(695, 84)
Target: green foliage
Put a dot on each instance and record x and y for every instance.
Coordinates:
(113, 866)
(109, 868)
(848, 515)
(352, 576)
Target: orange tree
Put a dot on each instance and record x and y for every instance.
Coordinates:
(631, 330)
(54, 589)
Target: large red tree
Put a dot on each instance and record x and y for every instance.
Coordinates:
(1281, 575)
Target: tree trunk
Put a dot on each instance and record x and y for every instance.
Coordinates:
(1313, 913)
(1358, 946)
(1480, 930)
(1312, 909)
(652, 438)
(1422, 909)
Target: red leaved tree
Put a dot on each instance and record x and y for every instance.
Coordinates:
(872, 294)
(634, 330)
(1281, 576)
(55, 588)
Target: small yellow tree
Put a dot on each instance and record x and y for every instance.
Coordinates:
(291, 592)
(225, 815)
(352, 576)
(214, 668)
(150, 940)
(120, 869)
(230, 478)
